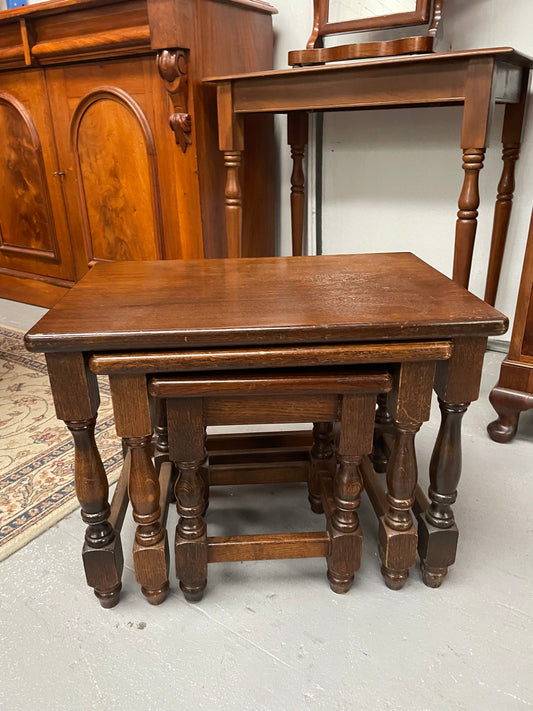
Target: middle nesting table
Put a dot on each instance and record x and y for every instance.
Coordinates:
(135, 320)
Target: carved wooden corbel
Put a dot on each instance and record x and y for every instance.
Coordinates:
(173, 67)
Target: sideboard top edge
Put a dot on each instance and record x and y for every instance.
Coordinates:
(51, 7)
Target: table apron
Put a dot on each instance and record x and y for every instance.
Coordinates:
(247, 358)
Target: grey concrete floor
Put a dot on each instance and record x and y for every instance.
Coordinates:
(271, 635)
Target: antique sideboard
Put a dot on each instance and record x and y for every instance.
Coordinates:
(109, 146)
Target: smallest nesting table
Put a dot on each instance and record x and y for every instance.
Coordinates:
(134, 320)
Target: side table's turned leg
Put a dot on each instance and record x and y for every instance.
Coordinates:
(187, 450)
(76, 398)
(133, 424)
(297, 138)
(233, 197)
(508, 404)
(477, 108)
(466, 226)
(357, 428)
(410, 403)
(322, 453)
(231, 142)
(457, 384)
(502, 215)
(511, 138)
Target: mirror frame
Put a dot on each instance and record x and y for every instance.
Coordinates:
(419, 16)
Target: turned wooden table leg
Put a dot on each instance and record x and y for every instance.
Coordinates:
(297, 138)
(160, 431)
(231, 142)
(76, 398)
(383, 426)
(397, 552)
(444, 473)
(445, 465)
(357, 429)
(410, 403)
(133, 423)
(233, 197)
(321, 455)
(457, 384)
(476, 114)
(466, 226)
(160, 427)
(511, 139)
(188, 452)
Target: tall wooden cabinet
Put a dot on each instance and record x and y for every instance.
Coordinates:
(108, 138)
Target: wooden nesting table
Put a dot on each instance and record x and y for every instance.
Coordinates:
(133, 321)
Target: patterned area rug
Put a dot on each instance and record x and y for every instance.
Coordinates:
(36, 450)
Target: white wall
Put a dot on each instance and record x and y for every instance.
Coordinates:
(392, 178)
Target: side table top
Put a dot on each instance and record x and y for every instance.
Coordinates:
(279, 300)
(431, 59)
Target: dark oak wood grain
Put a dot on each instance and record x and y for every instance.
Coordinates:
(76, 399)
(314, 544)
(296, 339)
(134, 425)
(347, 397)
(281, 357)
(348, 298)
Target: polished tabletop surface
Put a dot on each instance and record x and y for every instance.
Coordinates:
(503, 54)
(217, 302)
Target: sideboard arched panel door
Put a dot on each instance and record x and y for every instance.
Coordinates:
(25, 226)
(116, 165)
(131, 193)
(33, 232)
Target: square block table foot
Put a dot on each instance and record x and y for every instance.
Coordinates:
(103, 571)
(397, 552)
(436, 546)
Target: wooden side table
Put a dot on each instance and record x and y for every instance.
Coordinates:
(475, 80)
(132, 319)
(514, 392)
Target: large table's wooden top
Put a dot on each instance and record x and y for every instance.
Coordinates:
(500, 54)
(280, 300)
(431, 59)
